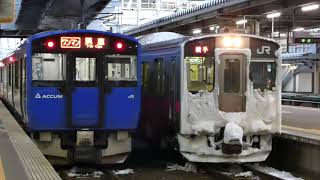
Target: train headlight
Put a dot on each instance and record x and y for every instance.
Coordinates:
(232, 42)
(237, 42)
(227, 42)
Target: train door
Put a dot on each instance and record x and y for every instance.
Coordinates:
(83, 92)
(232, 82)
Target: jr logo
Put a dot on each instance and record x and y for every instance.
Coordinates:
(49, 96)
(263, 50)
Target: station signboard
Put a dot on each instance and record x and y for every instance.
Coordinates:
(307, 37)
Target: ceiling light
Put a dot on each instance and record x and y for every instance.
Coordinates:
(196, 31)
(298, 29)
(310, 7)
(242, 21)
(273, 15)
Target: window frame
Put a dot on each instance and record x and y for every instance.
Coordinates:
(49, 83)
(266, 61)
(204, 74)
(105, 70)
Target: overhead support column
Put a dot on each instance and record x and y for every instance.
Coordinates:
(316, 79)
(255, 27)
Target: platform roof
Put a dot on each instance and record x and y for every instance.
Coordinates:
(226, 12)
(40, 15)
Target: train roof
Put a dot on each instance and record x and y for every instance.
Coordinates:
(48, 33)
(164, 40)
(161, 40)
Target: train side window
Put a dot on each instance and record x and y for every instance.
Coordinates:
(263, 75)
(48, 66)
(10, 72)
(85, 69)
(231, 76)
(200, 73)
(16, 74)
(146, 75)
(121, 68)
(159, 73)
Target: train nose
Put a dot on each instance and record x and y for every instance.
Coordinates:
(232, 141)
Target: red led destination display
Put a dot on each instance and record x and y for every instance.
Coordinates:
(82, 42)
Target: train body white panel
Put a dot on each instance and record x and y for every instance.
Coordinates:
(197, 150)
(201, 116)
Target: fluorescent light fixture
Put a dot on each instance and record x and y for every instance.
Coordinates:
(283, 34)
(298, 29)
(196, 31)
(214, 28)
(273, 15)
(310, 7)
(242, 21)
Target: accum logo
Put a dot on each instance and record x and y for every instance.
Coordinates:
(263, 50)
(48, 96)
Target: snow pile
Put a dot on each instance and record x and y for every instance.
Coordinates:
(232, 132)
(244, 174)
(201, 108)
(276, 172)
(123, 171)
(76, 173)
(188, 167)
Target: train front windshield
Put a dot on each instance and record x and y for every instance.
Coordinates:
(199, 59)
(200, 66)
(200, 73)
(48, 67)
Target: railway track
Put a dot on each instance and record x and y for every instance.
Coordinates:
(159, 172)
(239, 172)
(158, 166)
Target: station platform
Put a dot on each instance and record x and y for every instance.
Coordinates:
(301, 124)
(20, 159)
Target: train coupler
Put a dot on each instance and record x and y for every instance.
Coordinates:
(232, 140)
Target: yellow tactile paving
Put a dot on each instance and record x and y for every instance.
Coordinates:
(2, 174)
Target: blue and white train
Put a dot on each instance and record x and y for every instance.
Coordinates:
(215, 98)
(78, 93)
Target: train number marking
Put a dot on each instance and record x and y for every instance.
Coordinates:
(263, 50)
(49, 96)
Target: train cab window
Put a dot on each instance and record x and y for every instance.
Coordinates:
(85, 69)
(231, 76)
(48, 67)
(200, 73)
(120, 68)
(263, 75)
